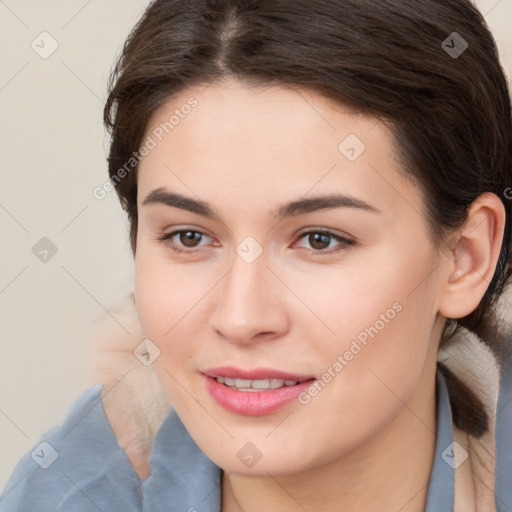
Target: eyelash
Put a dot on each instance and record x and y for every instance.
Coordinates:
(344, 243)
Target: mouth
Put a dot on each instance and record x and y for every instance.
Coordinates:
(256, 392)
(255, 385)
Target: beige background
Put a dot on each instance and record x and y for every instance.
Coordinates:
(52, 156)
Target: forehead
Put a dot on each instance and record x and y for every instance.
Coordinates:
(269, 142)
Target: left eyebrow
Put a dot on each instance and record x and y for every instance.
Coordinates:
(329, 202)
(291, 209)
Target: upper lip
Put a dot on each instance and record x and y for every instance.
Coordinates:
(255, 374)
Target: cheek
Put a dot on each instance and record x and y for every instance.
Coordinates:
(164, 295)
(381, 319)
(152, 296)
(374, 291)
(164, 300)
(171, 302)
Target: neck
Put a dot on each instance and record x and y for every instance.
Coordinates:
(389, 472)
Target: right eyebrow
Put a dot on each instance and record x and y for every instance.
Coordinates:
(162, 196)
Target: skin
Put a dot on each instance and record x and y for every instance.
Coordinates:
(372, 428)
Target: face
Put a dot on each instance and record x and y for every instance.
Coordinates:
(279, 246)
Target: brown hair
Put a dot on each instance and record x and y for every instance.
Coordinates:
(399, 60)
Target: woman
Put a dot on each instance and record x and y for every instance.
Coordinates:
(317, 199)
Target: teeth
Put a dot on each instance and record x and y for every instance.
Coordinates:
(242, 383)
(276, 383)
(255, 385)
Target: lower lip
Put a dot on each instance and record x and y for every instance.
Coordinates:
(254, 403)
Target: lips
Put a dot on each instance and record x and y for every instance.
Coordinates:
(256, 374)
(254, 392)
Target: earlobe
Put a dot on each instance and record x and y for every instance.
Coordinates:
(475, 255)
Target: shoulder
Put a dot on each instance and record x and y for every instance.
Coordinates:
(73, 463)
(489, 458)
(504, 438)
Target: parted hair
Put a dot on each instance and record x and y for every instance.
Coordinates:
(429, 69)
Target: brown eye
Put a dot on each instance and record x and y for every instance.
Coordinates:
(185, 240)
(319, 241)
(189, 238)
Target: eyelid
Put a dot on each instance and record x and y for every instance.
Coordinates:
(326, 231)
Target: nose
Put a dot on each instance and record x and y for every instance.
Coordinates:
(250, 303)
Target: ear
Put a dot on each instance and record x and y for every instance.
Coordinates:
(473, 256)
